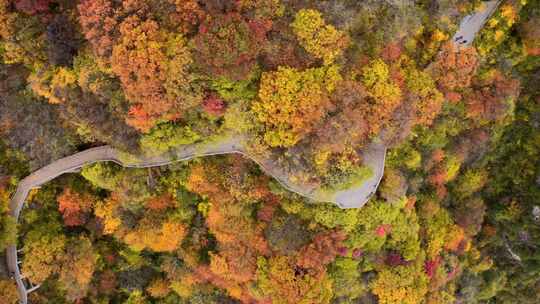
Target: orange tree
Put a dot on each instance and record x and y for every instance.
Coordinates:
(453, 70)
(152, 66)
(239, 237)
(8, 292)
(150, 233)
(99, 25)
(78, 265)
(75, 207)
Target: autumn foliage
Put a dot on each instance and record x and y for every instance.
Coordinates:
(8, 291)
(188, 13)
(489, 100)
(228, 45)
(453, 68)
(75, 207)
(214, 105)
(99, 25)
(323, 95)
(321, 40)
(323, 250)
(239, 239)
(282, 283)
(32, 7)
(291, 102)
(161, 237)
(152, 66)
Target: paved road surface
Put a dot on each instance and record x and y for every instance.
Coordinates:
(350, 198)
(472, 24)
(357, 197)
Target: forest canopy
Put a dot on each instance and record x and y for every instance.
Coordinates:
(309, 87)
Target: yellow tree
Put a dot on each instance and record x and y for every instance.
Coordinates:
(278, 280)
(44, 252)
(8, 226)
(384, 95)
(318, 38)
(159, 288)
(292, 102)
(21, 36)
(107, 213)
(78, 265)
(8, 292)
(151, 234)
(426, 99)
(406, 284)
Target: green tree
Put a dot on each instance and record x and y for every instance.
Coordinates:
(346, 277)
(102, 175)
(166, 136)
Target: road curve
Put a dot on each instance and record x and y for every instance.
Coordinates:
(349, 198)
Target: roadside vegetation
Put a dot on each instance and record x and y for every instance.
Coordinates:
(310, 84)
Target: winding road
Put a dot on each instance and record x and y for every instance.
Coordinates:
(348, 198)
(355, 197)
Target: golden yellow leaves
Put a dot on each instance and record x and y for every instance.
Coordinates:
(402, 284)
(291, 102)
(106, 212)
(47, 82)
(375, 77)
(318, 38)
(163, 238)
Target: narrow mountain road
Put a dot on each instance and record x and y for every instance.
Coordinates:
(355, 197)
(350, 198)
(472, 24)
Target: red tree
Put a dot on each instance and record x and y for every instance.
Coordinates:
(107, 282)
(228, 45)
(395, 259)
(32, 7)
(214, 105)
(99, 25)
(383, 230)
(391, 52)
(323, 250)
(488, 100)
(160, 203)
(74, 207)
(431, 266)
(188, 14)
